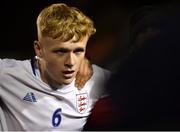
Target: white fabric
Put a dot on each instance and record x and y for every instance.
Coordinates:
(27, 103)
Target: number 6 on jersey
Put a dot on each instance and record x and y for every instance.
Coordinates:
(56, 119)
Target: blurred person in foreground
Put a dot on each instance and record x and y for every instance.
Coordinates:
(144, 93)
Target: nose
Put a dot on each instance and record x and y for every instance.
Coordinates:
(70, 60)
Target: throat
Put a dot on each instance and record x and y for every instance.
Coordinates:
(45, 77)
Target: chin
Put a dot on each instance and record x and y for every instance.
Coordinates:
(67, 81)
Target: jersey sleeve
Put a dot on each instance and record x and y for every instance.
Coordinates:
(6, 63)
(101, 77)
(1, 69)
(3, 126)
(1, 64)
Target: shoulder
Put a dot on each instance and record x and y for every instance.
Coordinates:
(100, 72)
(9, 64)
(98, 80)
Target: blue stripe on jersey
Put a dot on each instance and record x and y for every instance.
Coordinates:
(33, 66)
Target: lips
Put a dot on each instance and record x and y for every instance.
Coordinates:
(68, 74)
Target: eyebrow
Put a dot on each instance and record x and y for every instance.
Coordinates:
(79, 49)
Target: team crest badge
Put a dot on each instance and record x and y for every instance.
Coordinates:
(82, 102)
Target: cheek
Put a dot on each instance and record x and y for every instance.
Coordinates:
(54, 64)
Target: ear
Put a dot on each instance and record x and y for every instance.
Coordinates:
(37, 49)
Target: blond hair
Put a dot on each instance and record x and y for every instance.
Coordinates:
(64, 22)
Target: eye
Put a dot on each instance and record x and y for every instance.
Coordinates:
(61, 51)
(79, 51)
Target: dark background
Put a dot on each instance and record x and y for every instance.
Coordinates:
(111, 18)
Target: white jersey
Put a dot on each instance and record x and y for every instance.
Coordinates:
(27, 103)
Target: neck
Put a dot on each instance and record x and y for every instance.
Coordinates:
(45, 77)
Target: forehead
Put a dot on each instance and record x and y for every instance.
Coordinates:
(48, 42)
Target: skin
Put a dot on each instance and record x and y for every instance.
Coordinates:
(59, 61)
(84, 74)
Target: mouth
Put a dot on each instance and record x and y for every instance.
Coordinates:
(68, 74)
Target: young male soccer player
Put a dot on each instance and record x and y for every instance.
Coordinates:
(40, 94)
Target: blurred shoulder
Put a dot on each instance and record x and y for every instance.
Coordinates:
(100, 72)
